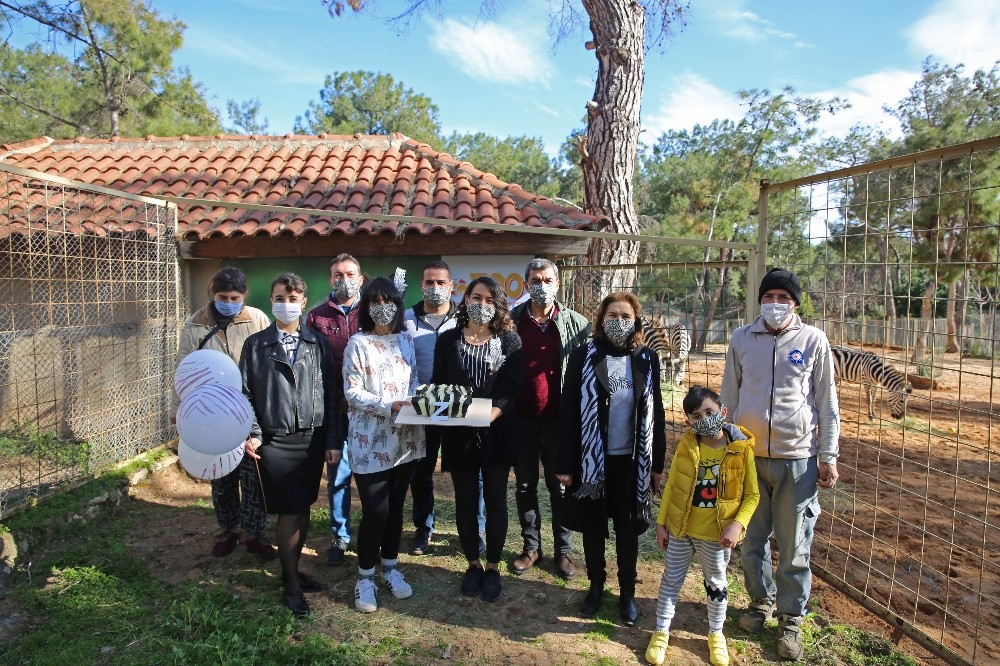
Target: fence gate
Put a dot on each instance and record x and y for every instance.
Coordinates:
(901, 262)
(88, 319)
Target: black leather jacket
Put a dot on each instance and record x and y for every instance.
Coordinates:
(287, 398)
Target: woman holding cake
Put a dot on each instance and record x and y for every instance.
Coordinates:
(379, 374)
(612, 445)
(483, 353)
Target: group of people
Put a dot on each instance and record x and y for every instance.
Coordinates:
(326, 385)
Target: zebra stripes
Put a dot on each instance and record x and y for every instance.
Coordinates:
(864, 367)
(672, 344)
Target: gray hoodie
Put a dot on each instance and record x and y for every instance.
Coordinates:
(781, 388)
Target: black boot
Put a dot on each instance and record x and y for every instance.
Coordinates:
(626, 607)
(592, 602)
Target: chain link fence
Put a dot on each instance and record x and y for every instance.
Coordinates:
(902, 263)
(88, 319)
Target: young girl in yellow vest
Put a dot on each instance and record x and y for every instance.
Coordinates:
(711, 493)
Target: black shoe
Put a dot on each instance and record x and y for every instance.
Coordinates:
(626, 607)
(491, 585)
(309, 584)
(592, 602)
(335, 556)
(421, 544)
(296, 603)
(472, 583)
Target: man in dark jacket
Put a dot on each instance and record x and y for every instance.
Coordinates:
(337, 321)
(549, 331)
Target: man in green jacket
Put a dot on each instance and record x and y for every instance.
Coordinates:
(549, 332)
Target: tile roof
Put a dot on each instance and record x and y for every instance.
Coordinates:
(380, 175)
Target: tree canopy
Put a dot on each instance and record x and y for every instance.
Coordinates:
(119, 80)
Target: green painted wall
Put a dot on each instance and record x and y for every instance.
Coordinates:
(316, 273)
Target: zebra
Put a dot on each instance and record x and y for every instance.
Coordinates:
(672, 343)
(864, 367)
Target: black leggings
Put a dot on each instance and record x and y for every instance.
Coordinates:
(619, 493)
(382, 495)
(466, 482)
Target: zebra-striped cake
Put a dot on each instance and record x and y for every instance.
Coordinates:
(429, 397)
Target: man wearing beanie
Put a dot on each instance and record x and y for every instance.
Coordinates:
(779, 385)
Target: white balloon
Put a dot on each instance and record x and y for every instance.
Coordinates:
(208, 466)
(206, 366)
(214, 418)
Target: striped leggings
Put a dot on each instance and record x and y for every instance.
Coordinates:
(714, 560)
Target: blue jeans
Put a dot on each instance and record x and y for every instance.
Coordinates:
(788, 509)
(338, 487)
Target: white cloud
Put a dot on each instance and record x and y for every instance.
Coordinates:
(493, 52)
(959, 31)
(692, 100)
(867, 95)
(737, 22)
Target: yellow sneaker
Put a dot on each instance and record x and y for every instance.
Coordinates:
(718, 651)
(656, 653)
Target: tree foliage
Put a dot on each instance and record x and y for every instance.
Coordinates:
(105, 70)
(519, 159)
(370, 103)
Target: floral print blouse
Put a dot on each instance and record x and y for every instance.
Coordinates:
(378, 370)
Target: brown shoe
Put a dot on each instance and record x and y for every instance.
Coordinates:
(527, 560)
(565, 568)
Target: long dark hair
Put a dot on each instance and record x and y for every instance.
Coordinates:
(501, 320)
(379, 289)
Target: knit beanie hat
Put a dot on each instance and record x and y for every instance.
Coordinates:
(781, 278)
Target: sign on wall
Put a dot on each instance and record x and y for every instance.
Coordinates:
(507, 269)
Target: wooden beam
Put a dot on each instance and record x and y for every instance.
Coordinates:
(434, 244)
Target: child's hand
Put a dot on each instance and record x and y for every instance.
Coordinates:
(662, 536)
(730, 535)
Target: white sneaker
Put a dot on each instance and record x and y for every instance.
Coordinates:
(366, 595)
(397, 584)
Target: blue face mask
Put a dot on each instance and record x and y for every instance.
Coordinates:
(227, 309)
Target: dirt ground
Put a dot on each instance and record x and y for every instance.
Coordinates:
(535, 622)
(913, 523)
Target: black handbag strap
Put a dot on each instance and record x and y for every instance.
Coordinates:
(212, 331)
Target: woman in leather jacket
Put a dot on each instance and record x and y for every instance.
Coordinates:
(289, 379)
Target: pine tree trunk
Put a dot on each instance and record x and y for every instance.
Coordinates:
(926, 325)
(608, 156)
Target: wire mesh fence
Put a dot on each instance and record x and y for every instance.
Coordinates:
(88, 317)
(901, 264)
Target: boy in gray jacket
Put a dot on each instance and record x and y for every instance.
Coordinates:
(779, 385)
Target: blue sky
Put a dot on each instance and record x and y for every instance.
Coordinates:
(503, 75)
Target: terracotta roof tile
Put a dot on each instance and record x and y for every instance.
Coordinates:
(373, 174)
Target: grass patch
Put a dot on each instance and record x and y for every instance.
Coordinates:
(22, 438)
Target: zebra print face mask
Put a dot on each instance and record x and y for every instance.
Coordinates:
(710, 426)
(618, 331)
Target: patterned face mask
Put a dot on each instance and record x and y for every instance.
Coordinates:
(542, 294)
(437, 296)
(382, 313)
(618, 331)
(481, 313)
(710, 426)
(345, 289)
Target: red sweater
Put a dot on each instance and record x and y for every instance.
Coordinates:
(541, 372)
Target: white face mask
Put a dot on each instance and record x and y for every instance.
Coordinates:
(286, 313)
(775, 314)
